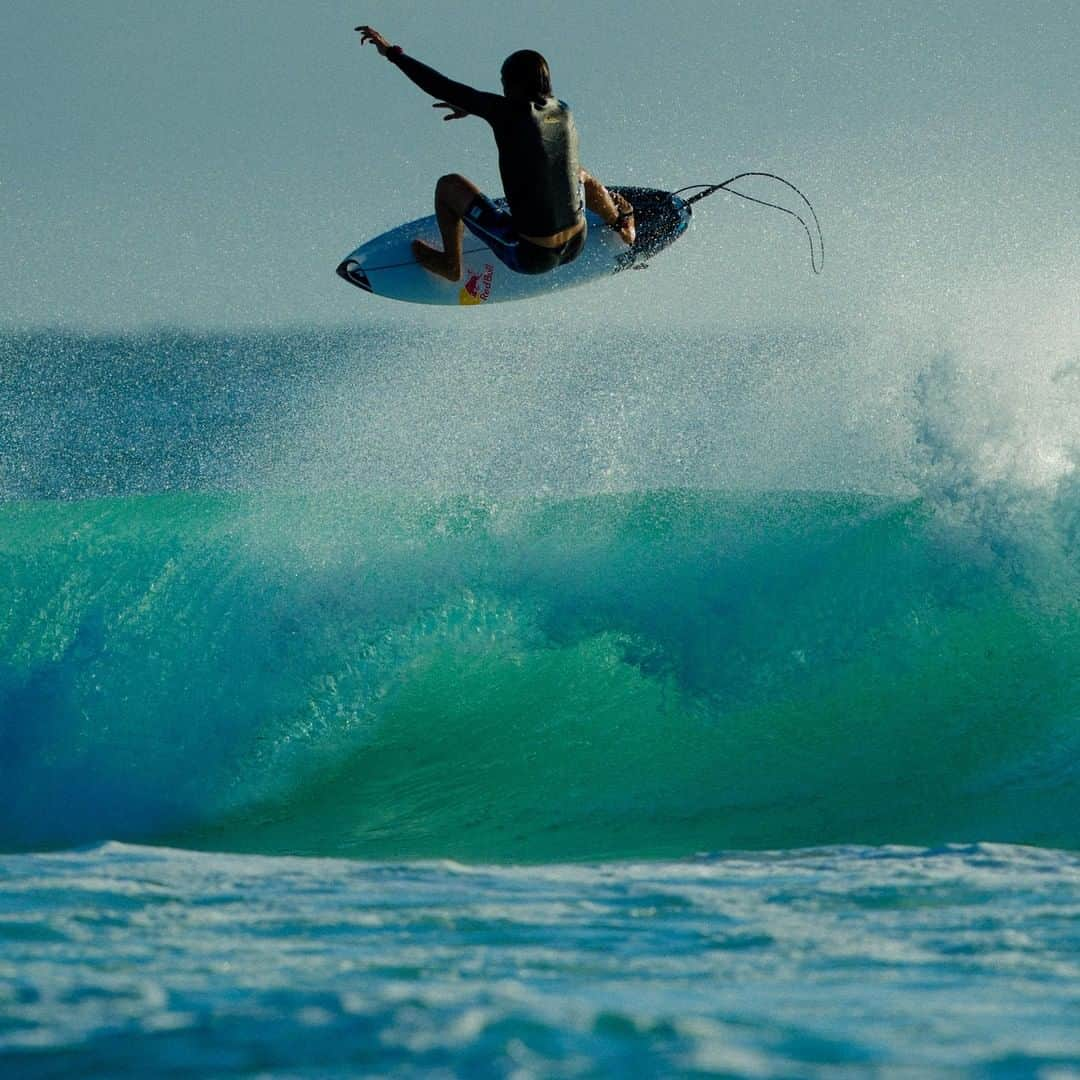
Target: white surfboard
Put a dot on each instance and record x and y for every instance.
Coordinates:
(385, 266)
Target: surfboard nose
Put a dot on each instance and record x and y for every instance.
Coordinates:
(353, 272)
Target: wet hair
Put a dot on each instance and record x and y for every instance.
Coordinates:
(527, 74)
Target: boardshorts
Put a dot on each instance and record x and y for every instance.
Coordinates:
(494, 224)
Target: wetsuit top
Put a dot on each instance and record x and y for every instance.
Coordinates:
(538, 148)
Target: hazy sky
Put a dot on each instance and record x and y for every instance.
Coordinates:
(208, 163)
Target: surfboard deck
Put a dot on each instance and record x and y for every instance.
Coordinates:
(385, 265)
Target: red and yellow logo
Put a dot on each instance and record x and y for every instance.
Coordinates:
(477, 287)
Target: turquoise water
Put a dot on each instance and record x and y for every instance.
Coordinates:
(309, 770)
(343, 675)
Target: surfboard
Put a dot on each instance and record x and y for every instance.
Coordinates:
(385, 265)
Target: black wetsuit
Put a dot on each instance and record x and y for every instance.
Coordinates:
(538, 162)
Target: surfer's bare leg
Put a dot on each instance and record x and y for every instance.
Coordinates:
(453, 194)
(610, 207)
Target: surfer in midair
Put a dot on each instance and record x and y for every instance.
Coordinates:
(546, 188)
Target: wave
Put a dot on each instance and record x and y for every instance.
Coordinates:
(615, 675)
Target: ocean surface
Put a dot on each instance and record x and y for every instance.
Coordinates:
(392, 703)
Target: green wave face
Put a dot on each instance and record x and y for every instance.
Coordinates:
(611, 676)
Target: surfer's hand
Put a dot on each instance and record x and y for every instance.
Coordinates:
(627, 229)
(453, 113)
(369, 33)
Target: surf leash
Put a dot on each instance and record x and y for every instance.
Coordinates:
(817, 257)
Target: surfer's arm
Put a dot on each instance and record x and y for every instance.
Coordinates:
(461, 97)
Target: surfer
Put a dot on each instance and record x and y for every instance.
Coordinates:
(544, 183)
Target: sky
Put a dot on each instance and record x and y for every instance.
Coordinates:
(207, 164)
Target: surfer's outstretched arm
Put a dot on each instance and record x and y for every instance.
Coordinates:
(613, 208)
(461, 97)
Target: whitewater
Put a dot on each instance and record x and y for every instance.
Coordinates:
(643, 703)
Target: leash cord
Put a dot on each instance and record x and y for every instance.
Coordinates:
(817, 257)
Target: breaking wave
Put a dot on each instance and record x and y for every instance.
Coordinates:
(634, 674)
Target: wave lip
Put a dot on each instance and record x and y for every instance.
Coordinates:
(642, 674)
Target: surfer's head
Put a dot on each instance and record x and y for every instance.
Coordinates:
(525, 74)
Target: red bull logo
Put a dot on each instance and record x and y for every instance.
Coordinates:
(477, 287)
